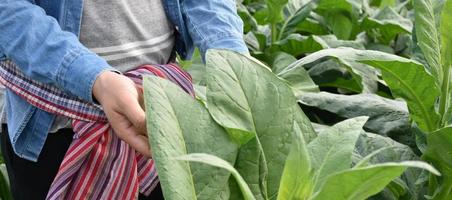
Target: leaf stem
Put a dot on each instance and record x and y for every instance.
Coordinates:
(432, 184)
(274, 33)
(283, 29)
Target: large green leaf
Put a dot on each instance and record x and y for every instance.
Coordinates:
(275, 8)
(280, 60)
(361, 183)
(296, 12)
(435, 42)
(296, 179)
(445, 106)
(384, 150)
(387, 117)
(412, 83)
(331, 151)
(340, 16)
(366, 77)
(220, 163)
(386, 24)
(333, 42)
(294, 5)
(297, 45)
(274, 16)
(178, 125)
(341, 25)
(332, 74)
(428, 37)
(249, 100)
(439, 151)
(248, 20)
(257, 40)
(311, 26)
(406, 78)
(300, 81)
(384, 3)
(343, 5)
(392, 151)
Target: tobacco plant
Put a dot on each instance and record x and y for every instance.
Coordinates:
(434, 40)
(250, 126)
(345, 59)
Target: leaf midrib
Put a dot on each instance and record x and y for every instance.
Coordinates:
(183, 143)
(252, 118)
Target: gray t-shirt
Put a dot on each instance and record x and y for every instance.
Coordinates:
(125, 33)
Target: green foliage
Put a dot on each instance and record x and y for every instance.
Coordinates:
(220, 163)
(363, 182)
(279, 157)
(246, 98)
(331, 152)
(438, 152)
(428, 36)
(4, 182)
(445, 105)
(375, 149)
(296, 12)
(386, 25)
(387, 117)
(180, 125)
(340, 59)
(296, 179)
(433, 36)
(406, 78)
(435, 42)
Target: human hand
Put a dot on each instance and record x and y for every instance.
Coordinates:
(122, 101)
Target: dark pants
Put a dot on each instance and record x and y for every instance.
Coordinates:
(32, 180)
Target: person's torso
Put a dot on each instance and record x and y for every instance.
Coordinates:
(28, 126)
(69, 13)
(23, 117)
(127, 34)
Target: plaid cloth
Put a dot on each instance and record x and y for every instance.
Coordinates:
(97, 165)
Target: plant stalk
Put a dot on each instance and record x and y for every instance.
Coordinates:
(274, 33)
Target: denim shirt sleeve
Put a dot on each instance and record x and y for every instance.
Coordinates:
(45, 52)
(214, 24)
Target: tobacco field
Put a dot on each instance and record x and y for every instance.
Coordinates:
(338, 100)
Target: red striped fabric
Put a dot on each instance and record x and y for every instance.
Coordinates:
(97, 165)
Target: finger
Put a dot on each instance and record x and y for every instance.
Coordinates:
(135, 114)
(128, 133)
(140, 96)
(140, 143)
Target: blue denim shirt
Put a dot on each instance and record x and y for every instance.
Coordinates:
(41, 36)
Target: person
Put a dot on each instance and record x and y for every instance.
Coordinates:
(83, 47)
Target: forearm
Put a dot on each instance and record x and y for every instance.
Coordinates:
(46, 53)
(214, 24)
